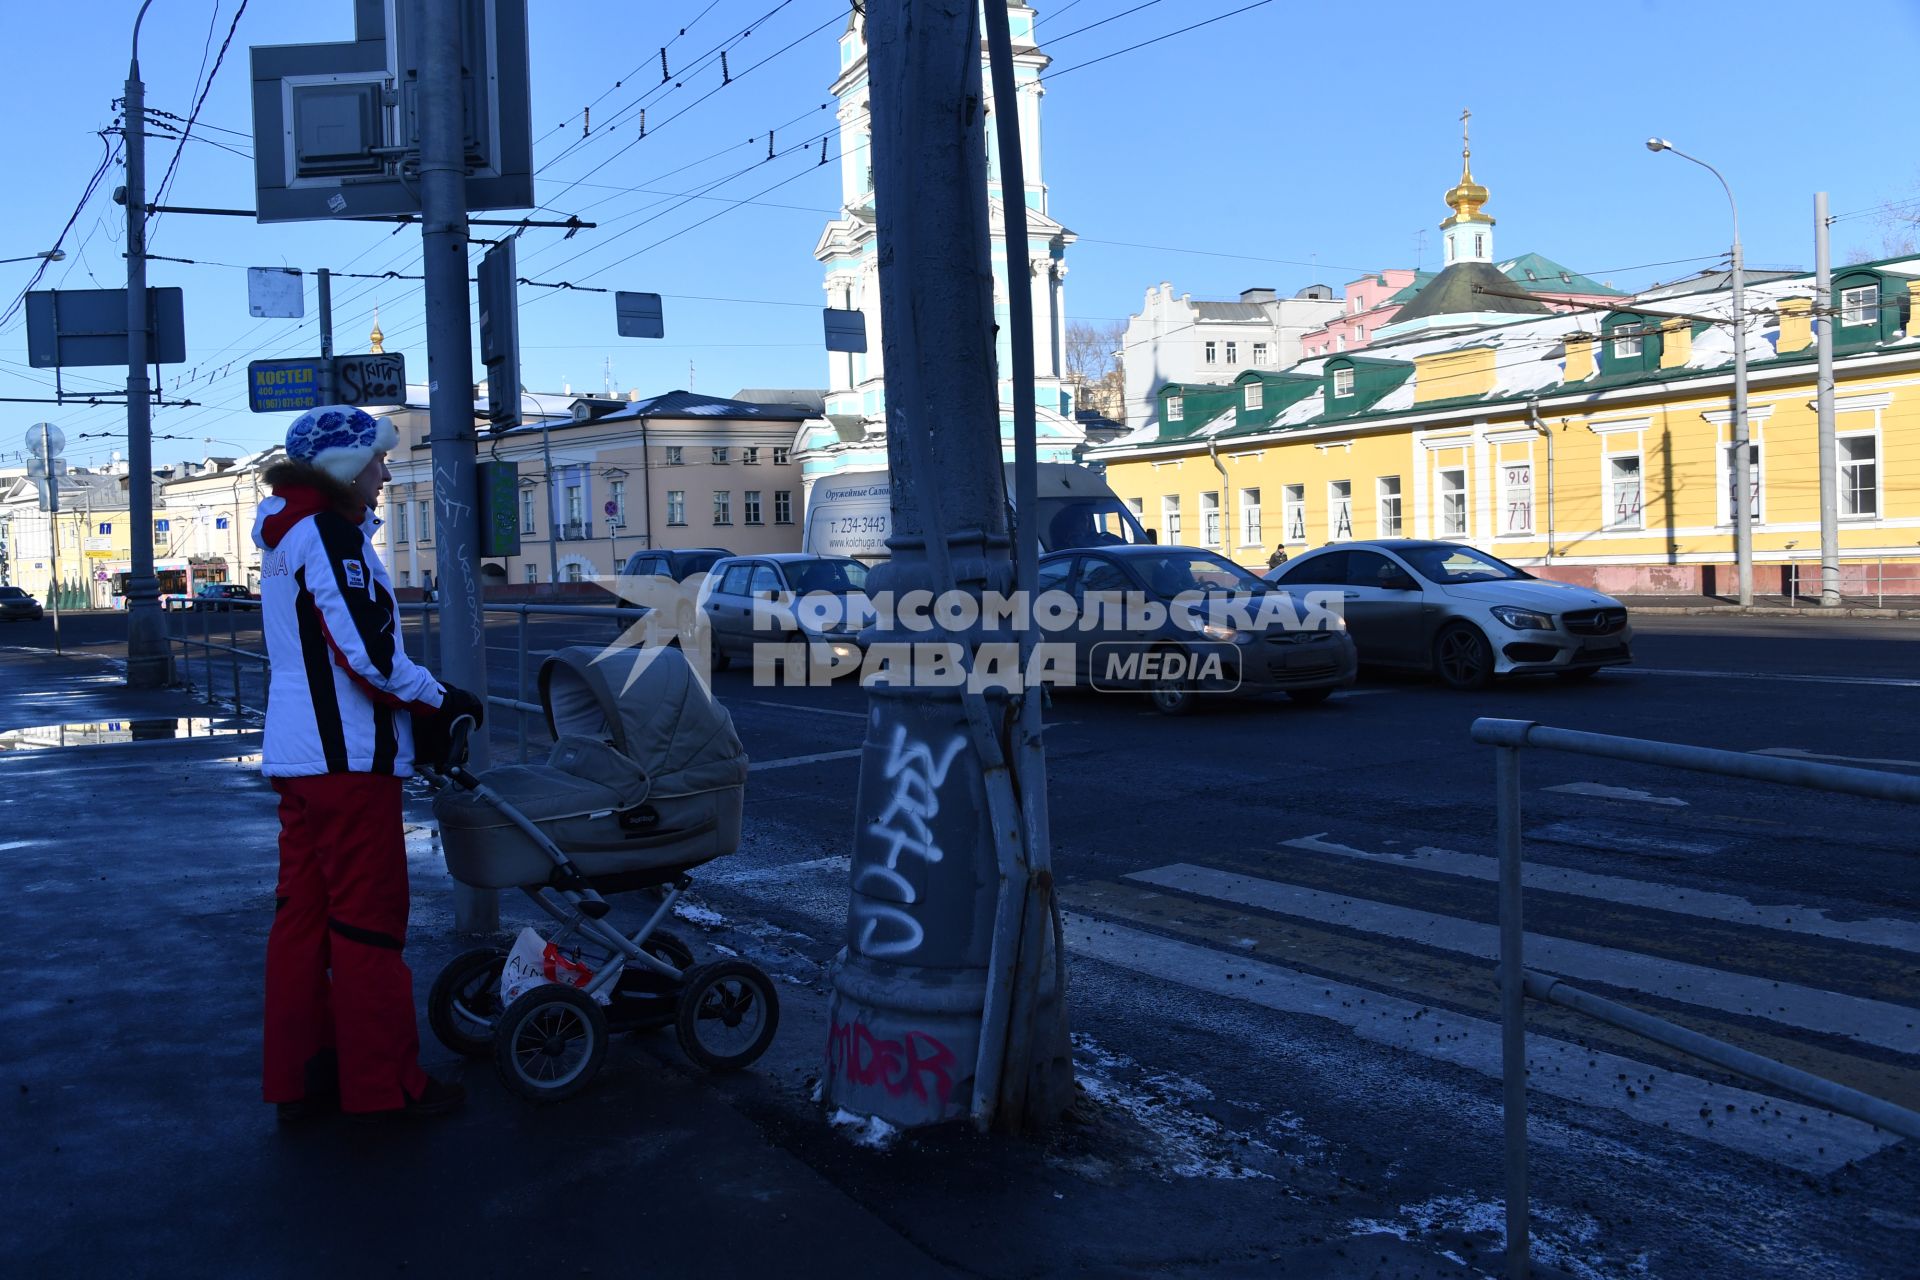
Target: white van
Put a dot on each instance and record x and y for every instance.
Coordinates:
(848, 515)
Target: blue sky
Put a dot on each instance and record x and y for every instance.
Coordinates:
(1290, 143)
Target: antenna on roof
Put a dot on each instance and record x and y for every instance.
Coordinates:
(1420, 249)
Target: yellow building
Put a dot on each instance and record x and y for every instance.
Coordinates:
(1593, 447)
(91, 532)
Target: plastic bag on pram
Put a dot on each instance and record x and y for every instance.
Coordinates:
(646, 779)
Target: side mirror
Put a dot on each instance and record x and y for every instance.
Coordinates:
(1400, 582)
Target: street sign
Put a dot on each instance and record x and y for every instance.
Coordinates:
(45, 440)
(499, 292)
(335, 124)
(499, 508)
(638, 315)
(290, 386)
(71, 327)
(611, 507)
(275, 293)
(846, 330)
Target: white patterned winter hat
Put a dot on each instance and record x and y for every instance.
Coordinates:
(339, 439)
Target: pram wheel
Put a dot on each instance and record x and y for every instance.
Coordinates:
(727, 1015)
(465, 1001)
(644, 1000)
(550, 1042)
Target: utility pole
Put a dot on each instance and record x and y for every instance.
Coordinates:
(1742, 451)
(148, 661)
(324, 376)
(53, 529)
(932, 945)
(1824, 319)
(443, 236)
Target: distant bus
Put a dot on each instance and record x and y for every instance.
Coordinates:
(178, 580)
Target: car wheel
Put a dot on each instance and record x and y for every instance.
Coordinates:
(1462, 657)
(1172, 696)
(1309, 697)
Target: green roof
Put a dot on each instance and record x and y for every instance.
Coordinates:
(1468, 288)
(1541, 274)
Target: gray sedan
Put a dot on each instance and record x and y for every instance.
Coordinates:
(1462, 613)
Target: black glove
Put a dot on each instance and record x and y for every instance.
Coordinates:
(433, 731)
(456, 702)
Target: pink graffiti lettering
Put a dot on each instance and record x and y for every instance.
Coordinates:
(913, 1064)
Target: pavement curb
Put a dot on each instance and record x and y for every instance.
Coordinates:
(1844, 612)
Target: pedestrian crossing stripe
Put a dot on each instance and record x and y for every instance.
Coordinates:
(1871, 1022)
(1726, 1116)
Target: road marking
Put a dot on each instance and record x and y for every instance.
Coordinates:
(1604, 792)
(815, 711)
(1594, 835)
(791, 762)
(1808, 1008)
(1899, 935)
(1891, 682)
(1744, 1121)
(11, 845)
(1795, 753)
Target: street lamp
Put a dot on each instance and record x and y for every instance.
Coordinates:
(50, 255)
(1742, 463)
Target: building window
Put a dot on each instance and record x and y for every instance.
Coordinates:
(573, 572)
(1170, 519)
(1233, 353)
(1260, 353)
(1339, 510)
(1293, 510)
(1627, 346)
(783, 506)
(1256, 395)
(1479, 244)
(1623, 491)
(1210, 518)
(1516, 498)
(160, 530)
(1212, 352)
(1860, 305)
(750, 457)
(1859, 476)
(1342, 382)
(406, 578)
(1753, 481)
(399, 510)
(1359, 333)
(619, 488)
(526, 512)
(676, 506)
(676, 457)
(1453, 502)
(1250, 518)
(781, 456)
(576, 504)
(723, 506)
(1387, 495)
(533, 571)
(1176, 408)
(750, 506)
(1139, 508)
(720, 455)
(426, 520)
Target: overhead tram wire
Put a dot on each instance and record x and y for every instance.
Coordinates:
(611, 89)
(166, 181)
(1053, 40)
(1232, 13)
(110, 154)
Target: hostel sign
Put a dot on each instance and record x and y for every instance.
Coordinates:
(290, 386)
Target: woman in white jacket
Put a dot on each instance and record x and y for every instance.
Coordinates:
(346, 711)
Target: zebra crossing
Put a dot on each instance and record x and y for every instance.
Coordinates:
(1396, 946)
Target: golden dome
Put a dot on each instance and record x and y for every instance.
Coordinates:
(377, 338)
(1466, 196)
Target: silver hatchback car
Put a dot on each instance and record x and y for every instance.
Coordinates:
(1463, 614)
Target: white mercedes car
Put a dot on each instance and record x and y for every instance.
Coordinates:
(1461, 613)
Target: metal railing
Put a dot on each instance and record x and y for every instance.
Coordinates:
(1509, 737)
(1859, 580)
(206, 652)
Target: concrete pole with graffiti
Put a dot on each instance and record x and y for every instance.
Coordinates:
(937, 857)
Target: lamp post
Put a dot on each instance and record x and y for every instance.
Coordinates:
(1742, 463)
(50, 255)
(148, 653)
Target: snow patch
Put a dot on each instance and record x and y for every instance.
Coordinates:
(864, 1131)
(1189, 1144)
(1567, 1241)
(705, 917)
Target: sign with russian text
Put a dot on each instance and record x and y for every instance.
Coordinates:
(290, 386)
(283, 386)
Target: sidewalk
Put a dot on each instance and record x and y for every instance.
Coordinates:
(1893, 607)
(135, 898)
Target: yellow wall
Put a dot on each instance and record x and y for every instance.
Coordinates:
(1679, 444)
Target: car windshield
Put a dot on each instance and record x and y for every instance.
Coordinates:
(1454, 564)
(11, 593)
(1171, 573)
(837, 576)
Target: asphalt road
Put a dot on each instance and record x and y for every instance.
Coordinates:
(1280, 919)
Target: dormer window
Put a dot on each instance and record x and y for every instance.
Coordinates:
(1176, 408)
(582, 411)
(1860, 305)
(1342, 383)
(1256, 395)
(1627, 345)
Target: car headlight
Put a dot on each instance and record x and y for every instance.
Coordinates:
(1522, 619)
(1218, 631)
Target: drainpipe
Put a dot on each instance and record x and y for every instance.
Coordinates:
(1533, 420)
(646, 487)
(1226, 500)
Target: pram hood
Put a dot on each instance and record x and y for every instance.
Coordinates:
(649, 705)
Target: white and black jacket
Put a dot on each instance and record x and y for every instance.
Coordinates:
(343, 691)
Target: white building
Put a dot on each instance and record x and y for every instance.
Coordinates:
(1183, 340)
(853, 438)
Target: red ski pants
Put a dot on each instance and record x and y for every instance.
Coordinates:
(335, 979)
